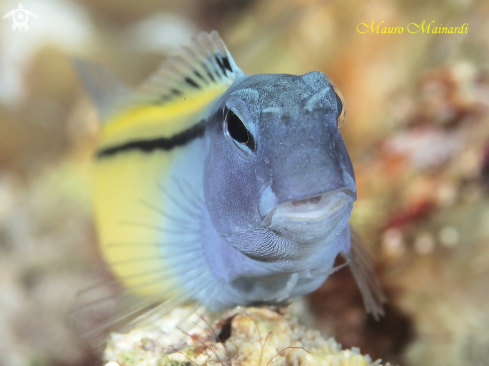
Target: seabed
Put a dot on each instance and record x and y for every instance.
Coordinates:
(241, 337)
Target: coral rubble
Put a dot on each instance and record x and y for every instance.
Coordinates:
(243, 336)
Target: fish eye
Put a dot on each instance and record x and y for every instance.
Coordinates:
(340, 107)
(237, 131)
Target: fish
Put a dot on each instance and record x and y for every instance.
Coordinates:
(218, 188)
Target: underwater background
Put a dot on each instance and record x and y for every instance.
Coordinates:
(417, 129)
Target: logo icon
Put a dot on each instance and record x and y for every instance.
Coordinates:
(20, 17)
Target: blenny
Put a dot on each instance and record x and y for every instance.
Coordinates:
(220, 188)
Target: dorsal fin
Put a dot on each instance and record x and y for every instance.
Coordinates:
(179, 95)
(176, 97)
(104, 88)
(206, 62)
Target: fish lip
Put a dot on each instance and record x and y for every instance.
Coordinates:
(329, 202)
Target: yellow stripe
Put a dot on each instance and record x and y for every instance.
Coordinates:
(150, 121)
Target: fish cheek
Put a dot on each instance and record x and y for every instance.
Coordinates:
(231, 191)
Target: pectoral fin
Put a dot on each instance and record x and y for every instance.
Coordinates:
(363, 271)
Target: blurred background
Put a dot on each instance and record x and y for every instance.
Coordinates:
(417, 129)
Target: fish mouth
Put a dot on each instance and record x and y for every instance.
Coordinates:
(312, 218)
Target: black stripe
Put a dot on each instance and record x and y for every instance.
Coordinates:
(217, 74)
(199, 75)
(162, 99)
(192, 83)
(225, 60)
(221, 65)
(209, 73)
(162, 143)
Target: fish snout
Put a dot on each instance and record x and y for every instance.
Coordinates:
(310, 219)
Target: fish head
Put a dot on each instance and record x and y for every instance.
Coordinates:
(279, 184)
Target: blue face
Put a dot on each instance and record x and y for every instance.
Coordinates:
(279, 184)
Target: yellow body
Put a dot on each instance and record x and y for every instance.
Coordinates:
(146, 199)
(127, 184)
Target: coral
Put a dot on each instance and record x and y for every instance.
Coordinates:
(243, 336)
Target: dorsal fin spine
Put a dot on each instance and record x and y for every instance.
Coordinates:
(206, 63)
(197, 63)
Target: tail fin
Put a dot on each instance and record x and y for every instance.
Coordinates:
(104, 88)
